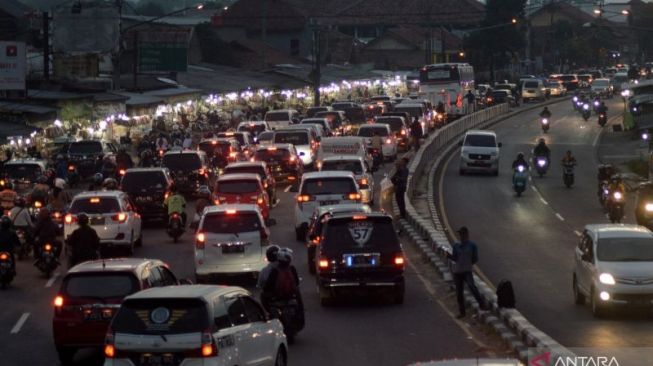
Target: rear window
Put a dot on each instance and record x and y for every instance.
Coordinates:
(265, 136)
(237, 186)
(95, 205)
(225, 223)
(272, 154)
(185, 162)
(254, 129)
(395, 124)
(140, 181)
(347, 166)
(161, 316)
(412, 111)
(376, 234)
(100, 286)
(222, 148)
(246, 169)
(23, 171)
(341, 106)
(499, 94)
(370, 131)
(567, 77)
(238, 136)
(323, 186)
(601, 83)
(320, 122)
(277, 116)
(295, 138)
(531, 84)
(85, 147)
(480, 140)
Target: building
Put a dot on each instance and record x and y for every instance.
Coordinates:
(15, 20)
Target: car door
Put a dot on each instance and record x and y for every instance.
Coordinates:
(261, 337)
(586, 263)
(167, 277)
(241, 330)
(134, 217)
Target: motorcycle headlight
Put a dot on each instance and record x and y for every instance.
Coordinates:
(541, 162)
(607, 279)
(545, 121)
(575, 99)
(586, 107)
(618, 195)
(520, 168)
(648, 207)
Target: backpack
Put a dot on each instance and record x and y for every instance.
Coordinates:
(285, 287)
(505, 295)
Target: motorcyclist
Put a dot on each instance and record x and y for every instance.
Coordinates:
(84, 243)
(271, 256)
(188, 142)
(440, 108)
(568, 160)
(602, 108)
(123, 159)
(96, 183)
(203, 200)
(8, 240)
(176, 203)
(541, 150)
(46, 231)
(40, 190)
(162, 142)
(273, 290)
(546, 113)
(616, 185)
(61, 167)
(59, 199)
(20, 217)
(147, 159)
(109, 167)
(110, 184)
(7, 197)
(416, 132)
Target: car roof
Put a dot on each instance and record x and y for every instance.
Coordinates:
(342, 139)
(619, 231)
(327, 174)
(186, 292)
(185, 152)
(373, 125)
(112, 265)
(345, 215)
(281, 110)
(240, 164)
(238, 176)
(218, 139)
(244, 123)
(343, 157)
(293, 128)
(103, 194)
(278, 146)
(26, 161)
(141, 170)
(345, 207)
(481, 132)
(229, 207)
(310, 119)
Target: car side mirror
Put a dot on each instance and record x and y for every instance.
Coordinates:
(500, 144)
(185, 281)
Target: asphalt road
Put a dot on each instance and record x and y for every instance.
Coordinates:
(530, 240)
(355, 333)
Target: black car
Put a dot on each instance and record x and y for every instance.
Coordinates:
(283, 161)
(359, 253)
(84, 155)
(189, 169)
(221, 151)
(148, 188)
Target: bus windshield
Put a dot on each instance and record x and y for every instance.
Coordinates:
(439, 74)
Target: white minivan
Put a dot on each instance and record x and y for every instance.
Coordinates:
(479, 152)
(230, 239)
(533, 89)
(281, 117)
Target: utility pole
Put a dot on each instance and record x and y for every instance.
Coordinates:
(443, 52)
(317, 63)
(115, 58)
(264, 33)
(135, 63)
(46, 46)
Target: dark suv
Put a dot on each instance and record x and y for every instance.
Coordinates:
(148, 188)
(189, 169)
(359, 253)
(221, 151)
(90, 295)
(84, 155)
(283, 160)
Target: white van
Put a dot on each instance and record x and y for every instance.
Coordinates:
(343, 145)
(415, 109)
(533, 89)
(479, 152)
(281, 117)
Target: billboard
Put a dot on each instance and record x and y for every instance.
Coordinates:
(13, 65)
(163, 51)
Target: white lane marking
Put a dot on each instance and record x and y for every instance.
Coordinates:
(533, 188)
(544, 201)
(577, 233)
(51, 280)
(19, 323)
(560, 217)
(287, 189)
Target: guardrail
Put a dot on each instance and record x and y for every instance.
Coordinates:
(428, 234)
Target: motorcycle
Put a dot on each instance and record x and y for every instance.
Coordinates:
(603, 196)
(596, 105)
(25, 244)
(616, 207)
(175, 226)
(519, 179)
(377, 158)
(290, 317)
(574, 102)
(541, 165)
(545, 125)
(47, 261)
(603, 119)
(7, 272)
(72, 176)
(568, 174)
(586, 112)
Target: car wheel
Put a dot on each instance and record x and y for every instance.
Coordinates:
(579, 298)
(281, 359)
(66, 354)
(598, 310)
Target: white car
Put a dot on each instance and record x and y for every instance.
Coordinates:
(112, 216)
(321, 189)
(304, 140)
(230, 239)
(358, 166)
(253, 127)
(281, 117)
(389, 147)
(613, 267)
(194, 325)
(479, 152)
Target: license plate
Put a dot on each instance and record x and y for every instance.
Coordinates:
(144, 199)
(92, 315)
(328, 203)
(97, 221)
(362, 260)
(233, 249)
(157, 360)
(5, 265)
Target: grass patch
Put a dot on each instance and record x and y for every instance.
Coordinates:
(639, 167)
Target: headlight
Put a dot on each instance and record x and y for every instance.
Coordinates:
(545, 121)
(586, 107)
(575, 99)
(648, 207)
(541, 162)
(617, 195)
(606, 279)
(520, 168)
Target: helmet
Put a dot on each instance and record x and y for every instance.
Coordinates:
(616, 178)
(204, 192)
(42, 179)
(59, 157)
(19, 202)
(110, 184)
(5, 222)
(284, 255)
(542, 141)
(82, 219)
(60, 183)
(520, 155)
(98, 178)
(271, 253)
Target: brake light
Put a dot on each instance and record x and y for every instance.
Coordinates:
(166, 195)
(200, 239)
(323, 263)
(354, 196)
(292, 177)
(69, 219)
(303, 198)
(161, 152)
(403, 132)
(214, 142)
(388, 141)
(399, 261)
(360, 217)
(292, 159)
(56, 215)
(94, 200)
(363, 182)
(272, 149)
(316, 240)
(232, 154)
(265, 184)
(58, 301)
(47, 247)
(109, 349)
(37, 204)
(231, 212)
(260, 200)
(209, 349)
(4, 257)
(201, 171)
(122, 172)
(71, 168)
(120, 217)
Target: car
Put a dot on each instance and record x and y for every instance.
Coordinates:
(620, 81)
(501, 96)
(584, 80)
(613, 267)
(304, 141)
(324, 122)
(253, 127)
(569, 81)
(90, 295)
(22, 173)
(283, 161)
(257, 167)
(359, 167)
(555, 88)
(338, 120)
(265, 137)
(231, 239)
(320, 216)
(321, 189)
(359, 253)
(111, 214)
(244, 138)
(602, 87)
(398, 126)
(148, 189)
(415, 110)
(83, 155)
(194, 325)
(372, 110)
(316, 130)
(281, 117)
(479, 152)
(312, 111)
(246, 188)
(343, 145)
(221, 151)
(533, 89)
(189, 168)
(390, 144)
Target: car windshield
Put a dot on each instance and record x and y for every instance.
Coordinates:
(237, 186)
(222, 148)
(625, 249)
(370, 131)
(272, 154)
(322, 186)
(343, 165)
(552, 85)
(246, 169)
(480, 140)
(277, 116)
(341, 106)
(601, 83)
(228, 223)
(395, 124)
(85, 147)
(254, 129)
(182, 162)
(530, 84)
(266, 136)
(161, 316)
(95, 205)
(295, 138)
(143, 181)
(100, 286)
(367, 234)
(23, 171)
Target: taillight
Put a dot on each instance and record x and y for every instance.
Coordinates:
(353, 196)
(292, 159)
(388, 141)
(120, 217)
(363, 182)
(58, 302)
(201, 171)
(323, 263)
(109, 349)
(69, 219)
(122, 172)
(47, 247)
(207, 349)
(303, 198)
(71, 168)
(403, 132)
(316, 240)
(260, 200)
(200, 240)
(4, 257)
(399, 260)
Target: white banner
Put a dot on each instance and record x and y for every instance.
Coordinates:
(12, 65)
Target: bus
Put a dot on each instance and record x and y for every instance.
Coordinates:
(447, 83)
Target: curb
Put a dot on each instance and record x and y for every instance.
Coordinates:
(429, 234)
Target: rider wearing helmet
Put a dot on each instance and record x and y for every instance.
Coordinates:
(46, 231)
(282, 285)
(541, 149)
(520, 160)
(59, 199)
(147, 159)
(271, 257)
(20, 217)
(616, 185)
(110, 184)
(96, 183)
(8, 240)
(84, 243)
(546, 113)
(40, 190)
(123, 159)
(7, 197)
(203, 200)
(175, 202)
